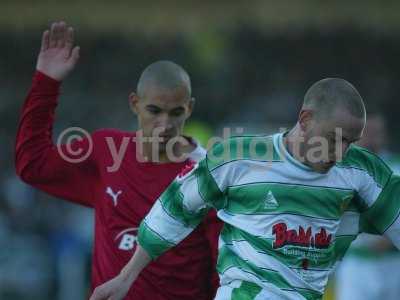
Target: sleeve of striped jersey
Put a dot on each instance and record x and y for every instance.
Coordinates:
(384, 214)
(371, 178)
(179, 210)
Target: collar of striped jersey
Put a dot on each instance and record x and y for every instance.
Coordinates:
(281, 148)
(199, 152)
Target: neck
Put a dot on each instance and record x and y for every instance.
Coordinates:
(178, 153)
(294, 144)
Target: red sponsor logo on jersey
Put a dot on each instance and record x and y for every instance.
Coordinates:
(187, 168)
(302, 237)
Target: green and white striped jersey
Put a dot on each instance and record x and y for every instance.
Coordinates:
(286, 226)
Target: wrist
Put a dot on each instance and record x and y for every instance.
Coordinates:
(45, 84)
(128, 275)
(47, 77)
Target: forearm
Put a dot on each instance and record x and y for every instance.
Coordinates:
(34, 137)
(135, 265)
(38, 161)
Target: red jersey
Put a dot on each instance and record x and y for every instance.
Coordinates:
(121, 198)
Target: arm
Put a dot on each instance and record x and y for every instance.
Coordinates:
(119, 286)
(173, 217)
(37, 160)
(384, 215)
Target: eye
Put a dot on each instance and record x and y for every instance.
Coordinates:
(153, 110)
(177, 112)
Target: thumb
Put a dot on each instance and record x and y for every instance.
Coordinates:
(98, 294)
(75, 55)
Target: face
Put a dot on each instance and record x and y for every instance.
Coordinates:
(326, 140)
(162, 112)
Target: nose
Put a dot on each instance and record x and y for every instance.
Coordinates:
(164, 121)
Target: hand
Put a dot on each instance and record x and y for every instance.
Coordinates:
(115, 289)
(58, 57)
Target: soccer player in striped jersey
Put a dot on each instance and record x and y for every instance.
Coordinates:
(291, 203)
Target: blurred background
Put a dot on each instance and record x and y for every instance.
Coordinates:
(250, 62)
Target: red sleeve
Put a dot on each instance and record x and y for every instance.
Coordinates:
(213, 229)
(38, 160)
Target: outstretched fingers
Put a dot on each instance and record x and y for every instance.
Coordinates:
(75, 55)
(45, 40)
(53, 35)
(69, 39)
(62, 29)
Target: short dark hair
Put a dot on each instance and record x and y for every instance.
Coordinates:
(328, 94)
(164, 74)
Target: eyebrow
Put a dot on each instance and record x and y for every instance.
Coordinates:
(178, 108)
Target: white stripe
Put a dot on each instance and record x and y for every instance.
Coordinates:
(198, 153)
(266, 295)
(367, 187)
(224, 293)
(308, 279)
(164, 225)
(349, 223)
(243, 172)
(273, 292)
(393, 233)
(192, 201)
(227, 175)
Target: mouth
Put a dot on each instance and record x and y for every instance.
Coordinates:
(165, 138)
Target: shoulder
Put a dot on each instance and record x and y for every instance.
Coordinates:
(366, 161)
(242, 148)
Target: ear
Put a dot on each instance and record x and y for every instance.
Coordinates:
(133, 102)
(190, 107)
(305, 119)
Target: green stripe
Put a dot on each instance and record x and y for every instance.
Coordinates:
(154, 244)
(360, 158)
(172, 203)
(386, 208)
(227, 259)
(259, 148)
(320, 202)
(246, 291)
(320, 259)
(342, 244)
(208, 188)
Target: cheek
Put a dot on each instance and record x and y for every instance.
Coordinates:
(178, 121)
(147, 123)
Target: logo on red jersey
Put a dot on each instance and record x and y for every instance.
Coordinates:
(301, 237)
(128, 238)
(187, 170)
(113, 195)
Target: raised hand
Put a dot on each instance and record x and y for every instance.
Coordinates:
(58, 56)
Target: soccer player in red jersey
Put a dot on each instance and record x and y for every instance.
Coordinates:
(120, 188)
